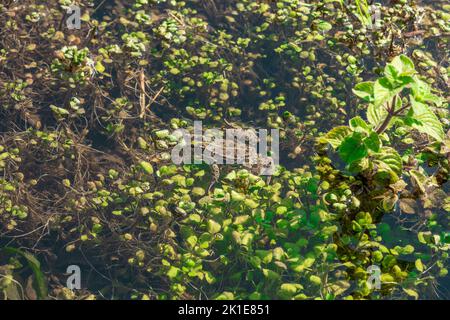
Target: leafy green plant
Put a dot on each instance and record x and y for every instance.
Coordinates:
(399, 99)
(35, 266)
(363, 13)
(73, 64)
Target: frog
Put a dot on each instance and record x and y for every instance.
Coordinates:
(240, 153)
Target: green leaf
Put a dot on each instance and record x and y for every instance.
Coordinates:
(353, 148)
(271, 275)
(329, 230)
(403, 65)
(191, 241)
(251, 203)
(226, 295)
(421, 237)
(411, 293)
(35, 266)
(391, 73)
(236, 196)
(421, 92)
(59, 111)
(336, 136)
(363, 13)
(11, 291)
(324, 26)
(359, 125)
(209, 277)
(373, 142)
(419, 265)
(213, 226)
(99, 67)
(424, 120)
(281, 210)
(266, 256)
(408, 249)
(288, 290)
(391, 157)
(315, 280)
(146, 166)
(365, 91)
(419, 88)
(173, 272)
(400, 71)
(376, 115)
(389, 163)
(383, 92)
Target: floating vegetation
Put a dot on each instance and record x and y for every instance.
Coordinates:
(358, 93)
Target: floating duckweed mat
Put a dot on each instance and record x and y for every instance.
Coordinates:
(93, 205)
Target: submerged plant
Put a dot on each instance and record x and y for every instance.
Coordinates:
(73, 64)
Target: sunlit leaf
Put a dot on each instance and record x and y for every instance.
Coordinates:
(411, 293)
(373, 142)
(359, 125)
(353, 149)
(365, 90)
(426, 121)
(336, 136)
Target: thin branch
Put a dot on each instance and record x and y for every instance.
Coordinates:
(391, 113)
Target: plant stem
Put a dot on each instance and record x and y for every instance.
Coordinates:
(391, 113)
(396, 113)
(389, 116)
